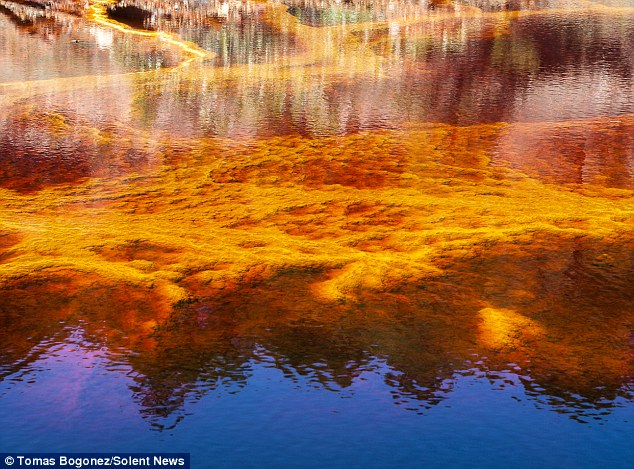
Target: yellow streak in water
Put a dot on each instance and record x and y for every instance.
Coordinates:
(97, 13)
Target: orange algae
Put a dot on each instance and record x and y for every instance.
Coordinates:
(264, 205)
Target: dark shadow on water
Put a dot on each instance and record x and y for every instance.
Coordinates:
(131, 15)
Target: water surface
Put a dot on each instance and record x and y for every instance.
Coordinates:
(318, 233)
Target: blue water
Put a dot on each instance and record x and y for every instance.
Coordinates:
(72, 400)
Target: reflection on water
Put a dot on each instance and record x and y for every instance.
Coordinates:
(387, 202)
(37, 44)
(559, 321)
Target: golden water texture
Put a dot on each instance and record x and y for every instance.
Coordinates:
(429, 182)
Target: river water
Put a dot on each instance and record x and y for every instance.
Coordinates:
(319, 233)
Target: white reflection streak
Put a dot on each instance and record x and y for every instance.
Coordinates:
(103, 37)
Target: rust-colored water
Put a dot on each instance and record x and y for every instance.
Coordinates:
(441, 186)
